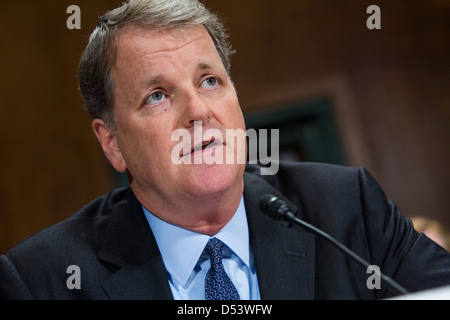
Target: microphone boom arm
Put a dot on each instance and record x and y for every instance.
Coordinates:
(283, 213)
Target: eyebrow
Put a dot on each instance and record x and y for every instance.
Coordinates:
(160, 77)
(154, 80)
(204, 66)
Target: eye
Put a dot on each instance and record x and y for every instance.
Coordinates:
(155, 98)
(210, 83)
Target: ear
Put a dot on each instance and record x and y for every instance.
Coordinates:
(108, 140)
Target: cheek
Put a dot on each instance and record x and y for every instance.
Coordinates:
(129, 142)
(231, 114)
(145, 142)
(238, 119)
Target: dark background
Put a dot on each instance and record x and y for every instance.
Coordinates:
(388, 91)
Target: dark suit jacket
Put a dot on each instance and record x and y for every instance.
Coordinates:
(111, 242)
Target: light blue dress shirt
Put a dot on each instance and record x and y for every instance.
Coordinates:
(187, 262)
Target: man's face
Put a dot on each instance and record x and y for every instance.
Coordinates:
(167, 80)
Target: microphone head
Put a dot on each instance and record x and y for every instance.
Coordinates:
(273, 207)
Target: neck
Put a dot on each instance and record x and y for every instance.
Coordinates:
(202, 214)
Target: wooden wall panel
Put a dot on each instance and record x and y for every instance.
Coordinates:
(51, 161)
(391, 88)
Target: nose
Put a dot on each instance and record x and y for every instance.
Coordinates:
(196, 109)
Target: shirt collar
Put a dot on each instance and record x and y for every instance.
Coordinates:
(181, 248)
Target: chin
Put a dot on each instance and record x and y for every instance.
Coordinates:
(214, 180)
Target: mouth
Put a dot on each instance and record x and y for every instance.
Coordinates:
(202, 146)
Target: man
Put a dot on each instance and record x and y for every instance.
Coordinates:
(194, 230)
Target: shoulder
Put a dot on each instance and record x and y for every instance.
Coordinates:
(75, 235)
(308, 177)
(327, 195)
(286, 168)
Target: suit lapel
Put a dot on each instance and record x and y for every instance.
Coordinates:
(284, 256)
(129, 248)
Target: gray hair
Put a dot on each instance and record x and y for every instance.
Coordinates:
(94, 73)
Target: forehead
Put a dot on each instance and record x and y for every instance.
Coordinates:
(148, 57)
(135, 41)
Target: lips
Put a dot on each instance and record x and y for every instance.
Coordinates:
(203, 145)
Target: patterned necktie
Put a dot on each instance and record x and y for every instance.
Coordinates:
(218, 285)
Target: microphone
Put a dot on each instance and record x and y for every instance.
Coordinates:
(277, 209)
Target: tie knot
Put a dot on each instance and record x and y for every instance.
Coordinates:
(214, 248)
